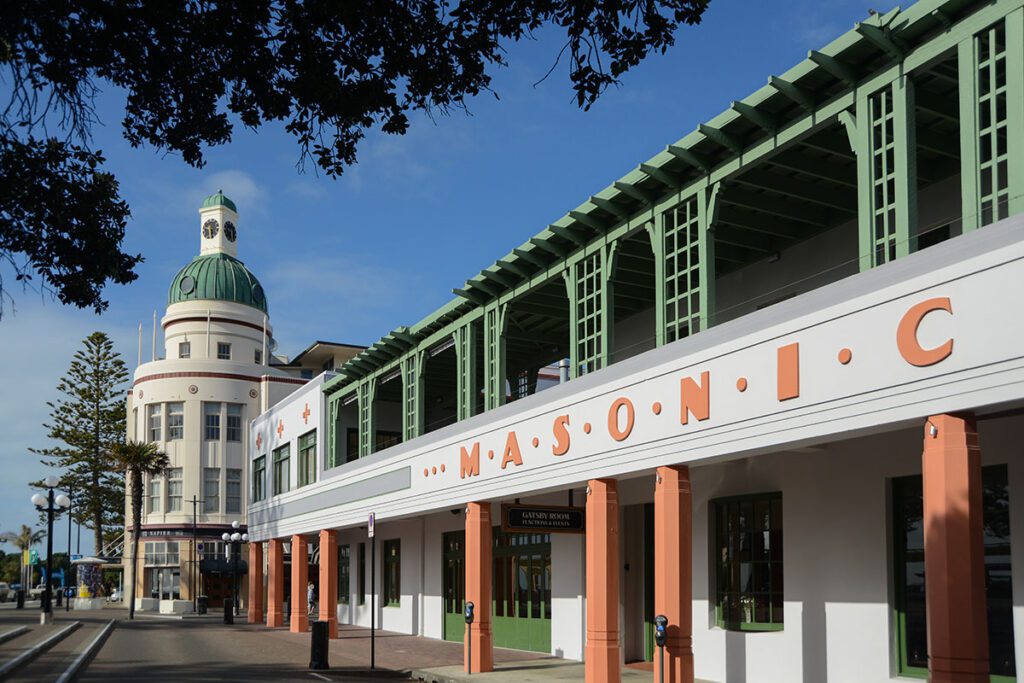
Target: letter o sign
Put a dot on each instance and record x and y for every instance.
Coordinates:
(613, 419)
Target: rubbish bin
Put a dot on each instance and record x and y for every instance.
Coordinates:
(318, 647)
(19, 596)
(202, 604)
(229, 611)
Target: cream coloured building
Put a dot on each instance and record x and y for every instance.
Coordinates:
(217, 372)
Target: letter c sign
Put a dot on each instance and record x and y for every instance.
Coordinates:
(906, 334)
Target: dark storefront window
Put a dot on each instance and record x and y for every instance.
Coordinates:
(911, 628)
(361, 573)
(392, 573)
(344, 569)
(748, 562)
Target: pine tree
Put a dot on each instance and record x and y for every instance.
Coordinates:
(88, 422)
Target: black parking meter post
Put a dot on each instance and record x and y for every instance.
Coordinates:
(469, 638)
(660, 636)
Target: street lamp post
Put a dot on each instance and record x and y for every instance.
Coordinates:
(236, 539)
(45, 503)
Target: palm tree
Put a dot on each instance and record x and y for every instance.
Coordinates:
(23, 540)
(138, 458)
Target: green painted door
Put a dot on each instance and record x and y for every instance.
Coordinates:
(454, 585)
(522, 591)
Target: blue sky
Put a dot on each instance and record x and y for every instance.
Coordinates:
(350, 259)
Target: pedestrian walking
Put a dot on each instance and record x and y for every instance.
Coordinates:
(311, 597)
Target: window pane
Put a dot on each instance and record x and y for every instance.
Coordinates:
(211, 421)
(748, 568)
(233, 491)
(211, 489)
(234, 425)
(223, 351)
(154, 422)
(175, 421)
(174, 489)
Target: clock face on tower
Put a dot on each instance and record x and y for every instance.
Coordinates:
(210, 229)
(229, 231)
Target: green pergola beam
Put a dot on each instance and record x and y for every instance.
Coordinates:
(530, 257)
(797, 94)
(470, 296)
(634, 192)
(544, 244)
(498, 276)
(599, 226)
(720, 137)
(841, 70)
(568, 234)
(661, 176)
(610, 206)
(760, 119)
(882, 39)
(513, 267)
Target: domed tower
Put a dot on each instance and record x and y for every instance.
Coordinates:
(195, 404)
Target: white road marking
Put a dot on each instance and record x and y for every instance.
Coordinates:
(320, 676)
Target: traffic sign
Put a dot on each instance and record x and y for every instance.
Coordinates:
(369, 527)
(33, 557)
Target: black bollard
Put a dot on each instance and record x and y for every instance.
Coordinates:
(229, 611)
(318, 647)
(19, 596)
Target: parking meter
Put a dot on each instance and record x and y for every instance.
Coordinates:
(660, 630)
(469, 638)
(660, 636)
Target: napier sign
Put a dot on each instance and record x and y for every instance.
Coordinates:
(546, 519)
(690, 402)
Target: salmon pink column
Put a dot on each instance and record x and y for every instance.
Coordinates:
(275, 583)
(255, 582)
(300, 579)
(673, 570)
(478, 651)
(954, 561)
(603, 655)
(329, 580)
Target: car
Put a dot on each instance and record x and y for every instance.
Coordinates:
(115, 596)
(36, 592)
(5, 592)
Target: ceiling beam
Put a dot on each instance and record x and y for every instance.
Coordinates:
(530, 257)
(757, 117)
(794, 92)
(514, 267)
(485, 287)
(568, 234)
(666, 179)
(589, 221)
(720, 137)
(634, 192)
(812, 193)
(698, 161)
(545, 244)
(777, 207)
(816, 168)
(841, 70)
(609, 206)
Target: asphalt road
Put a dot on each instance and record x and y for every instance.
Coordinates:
(153, 649)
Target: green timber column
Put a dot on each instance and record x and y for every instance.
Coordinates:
(886, 151)
(991, 66)
(687, 246)
(589, 286)
(495, 374)
(656, 232)
(466, 360)
(412, 395)
(333, 405)
(366, 391)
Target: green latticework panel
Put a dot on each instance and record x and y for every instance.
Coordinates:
(589, 282)
(332, 432)
(682, 270)
(494, 356)
(412, 390)
(466, 359)
(993, 149)
(367, 389)
(883, 176)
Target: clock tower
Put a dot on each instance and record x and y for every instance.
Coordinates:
(218, 220)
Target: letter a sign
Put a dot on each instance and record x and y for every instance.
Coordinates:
(369, 525)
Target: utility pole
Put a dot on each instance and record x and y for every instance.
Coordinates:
(193, 583)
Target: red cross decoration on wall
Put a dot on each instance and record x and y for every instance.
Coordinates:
(280, 428)
(305, 414)
(259, 440)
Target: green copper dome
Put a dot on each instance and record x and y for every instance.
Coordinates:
(217, 277)
(219, 200)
